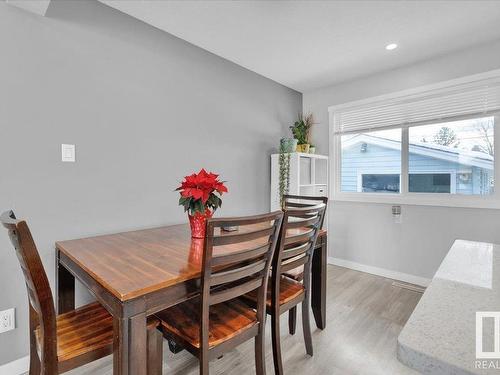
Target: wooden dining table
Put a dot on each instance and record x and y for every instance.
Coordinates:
(138, 273)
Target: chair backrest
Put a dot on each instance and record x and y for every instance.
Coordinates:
(298, 201)
(298, 236)
(42, 312)
(235, 263)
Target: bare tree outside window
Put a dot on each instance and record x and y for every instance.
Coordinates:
(484, 128)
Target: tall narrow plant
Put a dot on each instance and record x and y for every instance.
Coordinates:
(301, 129)
(284, 172)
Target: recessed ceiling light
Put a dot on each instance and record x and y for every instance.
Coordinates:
(391, 46)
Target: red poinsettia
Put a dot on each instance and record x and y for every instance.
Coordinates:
(198, 192)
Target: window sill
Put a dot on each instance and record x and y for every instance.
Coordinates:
(421, 199)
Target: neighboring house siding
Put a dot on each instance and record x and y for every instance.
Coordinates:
(381, 160)
(375, 160)
(481, 179)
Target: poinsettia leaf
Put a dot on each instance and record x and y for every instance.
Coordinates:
(197, 206)
(185, 203)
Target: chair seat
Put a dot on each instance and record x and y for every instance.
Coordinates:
(289, 289)
(226, 320)
(85, 332)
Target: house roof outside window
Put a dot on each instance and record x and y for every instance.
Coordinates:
(452, 154)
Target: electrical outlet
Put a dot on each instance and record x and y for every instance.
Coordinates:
(396, 214)
(68, 153)
(7, 320)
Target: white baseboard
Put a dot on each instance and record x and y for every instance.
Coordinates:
(395, 275)
(17, 367)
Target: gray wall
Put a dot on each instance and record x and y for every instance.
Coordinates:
(365, 232)
(143, 108)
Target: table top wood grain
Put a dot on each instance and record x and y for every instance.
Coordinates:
(135, 263)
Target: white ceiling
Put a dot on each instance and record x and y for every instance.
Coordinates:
(309, 44)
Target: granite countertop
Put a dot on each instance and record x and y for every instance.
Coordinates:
(440, 336)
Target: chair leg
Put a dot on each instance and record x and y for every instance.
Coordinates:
(34, 363)
(155, 352)
(35, 368)
(275, 335)
(306, 326)
(292, 320)
(204, 367)
(48, 368)
(260, 356)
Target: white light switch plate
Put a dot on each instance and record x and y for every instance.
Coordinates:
(68, 153)
(7, 320)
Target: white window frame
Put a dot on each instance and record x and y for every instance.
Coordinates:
(491, 201)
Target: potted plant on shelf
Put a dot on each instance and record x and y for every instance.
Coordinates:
(312, 149)
(288, 145)
(200, 196)
(301, 131)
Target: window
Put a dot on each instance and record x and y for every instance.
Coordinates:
(371, 162)
(380, 183)
(453, 157)
(464, 149)
(428, 146)
(431, 183)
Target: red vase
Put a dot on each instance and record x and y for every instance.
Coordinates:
(198, 223)
(196, 251)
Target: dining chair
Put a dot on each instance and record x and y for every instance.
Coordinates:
(298, 201)
(297, 239)
(59, 343)
(233, 264)
(298, 273)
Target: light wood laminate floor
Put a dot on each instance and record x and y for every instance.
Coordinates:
(365, 314)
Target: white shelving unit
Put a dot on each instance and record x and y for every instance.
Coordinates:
(308, 176)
